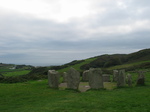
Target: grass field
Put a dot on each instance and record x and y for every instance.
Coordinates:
(36, 96)
(16, 73)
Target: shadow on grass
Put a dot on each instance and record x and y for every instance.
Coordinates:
(101, 89)
(73, 90)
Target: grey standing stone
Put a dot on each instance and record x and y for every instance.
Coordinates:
(121, 79)
(115, 75)
(141, 78)
(53, 78)
(64, 77)
(73, 79)
(129, 80)
(85, 75)
(106, 78)
(95, 78)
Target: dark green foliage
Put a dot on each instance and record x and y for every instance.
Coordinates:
(138, 56)
(105, 61)
(12, 79)
(35, 74)
(27, 67)
(40, 70)
(1, 77)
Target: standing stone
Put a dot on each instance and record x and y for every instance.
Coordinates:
(73, 79)
(85, 75)
(115, 75)
(129, 80)
(64, 77)
(121, 78)
(141, 78)
(53, 78)
(106, 78)
(95, 78)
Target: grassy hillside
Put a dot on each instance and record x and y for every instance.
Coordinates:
(78, 65)
(137, 60)
(140, 59)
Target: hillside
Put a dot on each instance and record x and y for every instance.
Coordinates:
(129, 62)
(107, 61)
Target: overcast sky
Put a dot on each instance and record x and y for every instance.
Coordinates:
(47, 32)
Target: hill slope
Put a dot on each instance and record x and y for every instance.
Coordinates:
(130, 62)
(105, 61)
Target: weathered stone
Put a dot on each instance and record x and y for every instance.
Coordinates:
(141, 78)
(106, 78)
(115, 75)
(53, 78)
(64, 77)
(129, 80)
(73, 79)
(85, 75)
(121, 78)
(95, 78)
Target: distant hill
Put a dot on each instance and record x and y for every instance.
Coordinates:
(105, 61)
(129, 62)
(140, 59)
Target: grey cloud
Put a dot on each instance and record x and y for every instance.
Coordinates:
(116, 15)
(33, 41)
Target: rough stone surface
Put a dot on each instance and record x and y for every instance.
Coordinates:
(121, 78)
(53, 78)
(73, 79)
(129, 80)
(115, 75)
(64, 77)
(95, 78)
(85, 75)
(106, 78)
(141, 78)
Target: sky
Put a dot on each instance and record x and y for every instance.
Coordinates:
(54, 32)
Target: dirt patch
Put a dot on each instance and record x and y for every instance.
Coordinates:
(84, 86)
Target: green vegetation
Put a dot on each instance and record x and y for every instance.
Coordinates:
(36, 96)
(129, 62)
(134, 66)
(138, 59)
(77, 66)
(16, 73)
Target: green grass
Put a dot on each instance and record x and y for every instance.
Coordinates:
(77, 66)
(16, 73)
(36, 96)
(127, 65)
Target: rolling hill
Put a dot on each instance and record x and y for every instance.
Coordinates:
(140, 59)
(129, 62)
